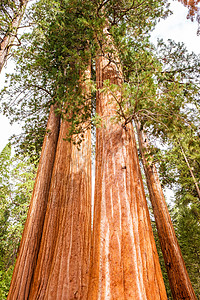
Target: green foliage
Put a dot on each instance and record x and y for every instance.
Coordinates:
(176, 172)
(8, 10)
(16, 185)
(66, 35)
(188, 232)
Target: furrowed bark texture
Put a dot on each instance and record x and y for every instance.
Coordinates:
(70, 267)
(180, 284)
(52, 218)
(125, 262)
(62, 270)
(9, 39)
(30, 243)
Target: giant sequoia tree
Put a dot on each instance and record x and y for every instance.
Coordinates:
(121, 261)
(62, 269)
(124, 261)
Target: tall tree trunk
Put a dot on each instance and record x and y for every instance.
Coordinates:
(10, 37)
(125, 262)
(70, 267)
(62, 270)
(30, 243)
(178, 277)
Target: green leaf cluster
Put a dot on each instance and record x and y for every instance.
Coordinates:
(65, 37)
(16, 184)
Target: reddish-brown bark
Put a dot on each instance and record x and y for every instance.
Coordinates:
(193, 8)
(9, 38)
(178, 277)
(52, 219)
(62, 270)
(125, 263)
(31, 237)
(69, 274)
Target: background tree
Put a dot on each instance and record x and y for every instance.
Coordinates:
(11, 16)
(178, 277)
(16, 184)
(187, 226)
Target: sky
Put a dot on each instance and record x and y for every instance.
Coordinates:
(178, 28)
(175, 27)
(6, 130)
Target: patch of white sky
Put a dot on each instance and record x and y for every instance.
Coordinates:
(175, 27)
(6, 129)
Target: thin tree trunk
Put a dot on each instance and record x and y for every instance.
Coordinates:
(9, 38)
(125, 262)
(178, 277)
(190, 169)
(30, 243)
(62, 270)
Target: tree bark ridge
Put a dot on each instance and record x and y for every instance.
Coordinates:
(124, 260)
(30, 243)
(180, 284)
(62, 270)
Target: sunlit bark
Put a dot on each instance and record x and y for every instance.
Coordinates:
(62, 270)
(125, 263)
(29, 247)
(70, 267)
(9, 38)
(178, 277)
